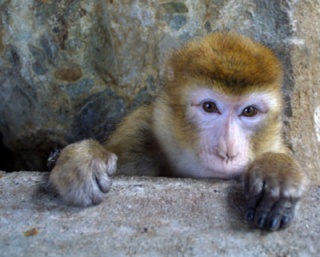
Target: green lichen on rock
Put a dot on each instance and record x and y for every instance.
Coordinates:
(175, 7)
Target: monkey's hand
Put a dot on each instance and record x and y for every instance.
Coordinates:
(82, 174)
(273, 186)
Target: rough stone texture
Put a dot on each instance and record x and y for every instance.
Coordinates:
(146, 217)
(304, 124)
(51, 89)
(71, 69)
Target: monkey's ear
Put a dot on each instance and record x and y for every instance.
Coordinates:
(171, 76)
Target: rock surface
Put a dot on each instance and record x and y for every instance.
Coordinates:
(146, 217)
(71, 69)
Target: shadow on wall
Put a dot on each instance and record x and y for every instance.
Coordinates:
(5, 156)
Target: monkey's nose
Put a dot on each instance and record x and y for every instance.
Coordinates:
(227, 156)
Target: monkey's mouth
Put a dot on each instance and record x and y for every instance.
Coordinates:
(216, 166)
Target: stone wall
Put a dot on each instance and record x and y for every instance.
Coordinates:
(70, 69)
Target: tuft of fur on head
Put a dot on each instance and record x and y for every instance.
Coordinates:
(230, 60)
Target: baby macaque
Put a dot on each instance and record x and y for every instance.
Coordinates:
(217, 116)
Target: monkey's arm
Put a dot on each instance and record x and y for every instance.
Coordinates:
(273, 185)
(82, 173)
(135, 145)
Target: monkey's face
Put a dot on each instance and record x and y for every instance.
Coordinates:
(220, 107)
(225, 126)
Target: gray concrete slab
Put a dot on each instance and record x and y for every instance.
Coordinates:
(146, 217)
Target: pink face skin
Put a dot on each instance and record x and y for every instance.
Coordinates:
(224, 134)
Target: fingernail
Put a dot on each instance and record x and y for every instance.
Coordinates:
(285, 220)
(274, 224)
(260, 222)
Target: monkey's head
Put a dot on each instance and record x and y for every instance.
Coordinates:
(223, 104)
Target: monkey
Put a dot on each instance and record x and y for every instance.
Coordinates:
(218, 115)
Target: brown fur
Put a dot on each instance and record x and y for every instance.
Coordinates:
(237, 63)
(137, 148)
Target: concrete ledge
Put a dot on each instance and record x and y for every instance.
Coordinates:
(146, 217)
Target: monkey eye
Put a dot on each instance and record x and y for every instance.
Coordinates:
(249, 111)
(210, 107)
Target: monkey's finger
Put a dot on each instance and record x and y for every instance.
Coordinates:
(274, 218)
(269, 198)
(285, 209)
(252, 200)
(100, 175)
(103, 181)
(287, 220)
(253, 190)
(274, 221)
(277, 221)
(111, 164)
